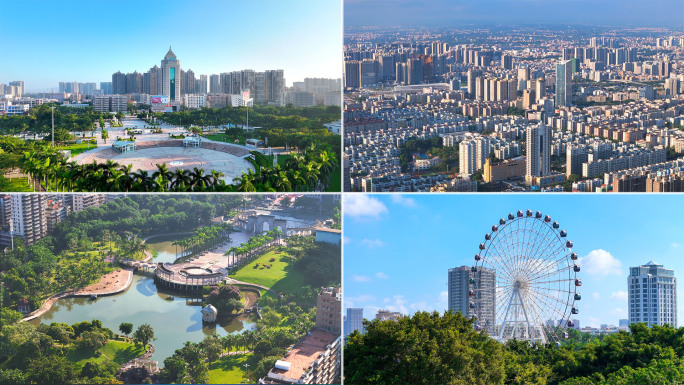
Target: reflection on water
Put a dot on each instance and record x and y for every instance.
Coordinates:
(174, 318)
(166, 250)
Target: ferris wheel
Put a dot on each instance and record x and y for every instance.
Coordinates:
(524, 284)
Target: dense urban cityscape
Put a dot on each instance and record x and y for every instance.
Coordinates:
(513, 109)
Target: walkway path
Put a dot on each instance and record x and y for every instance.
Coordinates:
(232, 281)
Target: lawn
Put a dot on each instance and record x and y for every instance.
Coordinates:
(117, 351)
(15, 185)
(230, 369)
(225, 138)
(77, 148)
(335, 181)
(278, 277)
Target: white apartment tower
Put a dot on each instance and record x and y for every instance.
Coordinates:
(84, 201)
(652, 295)
(538, 145)
(473, 154)
(28, 216)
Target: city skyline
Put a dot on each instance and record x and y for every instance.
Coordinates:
(399, 248)
(444, 12)
(276, 38)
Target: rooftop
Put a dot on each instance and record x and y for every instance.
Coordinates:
(304, 353)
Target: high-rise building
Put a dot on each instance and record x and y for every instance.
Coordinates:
(85, 201)
(462, 294)
(106, 88)
(329, 309)
(55, 212)
(274, 86)
(133, 83)
(170, 77)
(564, 83)
(214, 84)
(538, 146)
(352, 74)
(201, 87)
(187, 82)
(110, 103)
(20, 87)
(28, 217)
(473, 154)
(150, 81)
(652, 295)
(118, 83)
(353, 321)
(506, 62)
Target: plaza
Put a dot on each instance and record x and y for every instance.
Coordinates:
(151, 149)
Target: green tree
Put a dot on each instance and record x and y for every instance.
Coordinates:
(226, 299)
(126, 328)
(427, 348)
(12, 377)
(51, 370)
(91, 340)
(144, 334)
(175, 371)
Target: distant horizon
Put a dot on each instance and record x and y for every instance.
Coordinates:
(304, 39)
(616, 13)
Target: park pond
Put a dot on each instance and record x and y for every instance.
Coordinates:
(174, 318)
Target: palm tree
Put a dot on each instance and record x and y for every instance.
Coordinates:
(246, 182)
(163, 171)
(142, 181)
(180, 180)
(198, 180)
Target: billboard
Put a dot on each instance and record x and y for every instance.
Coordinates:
(159, 99)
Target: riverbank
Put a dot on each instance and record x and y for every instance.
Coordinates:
(111, 283)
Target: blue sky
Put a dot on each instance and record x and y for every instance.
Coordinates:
(398, 248)
(453, 12)
(45, 42)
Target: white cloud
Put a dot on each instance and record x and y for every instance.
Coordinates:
(594, 322)
(402, 200)
(397, 303)
(618, 312)
(363, 206)
(361, 278)
(359, 301)
(381, 275)
(619, 295)
(596, 295)
(420, 306)
(442, 302)
(601, 262)
(372, 243)
(675, 245)
(346, 239)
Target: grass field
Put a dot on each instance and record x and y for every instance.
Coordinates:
(277, 277)
(225, 138)
(78, 148)
(230, 369)
(117, 351)
(335, 181)
(15, 185)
